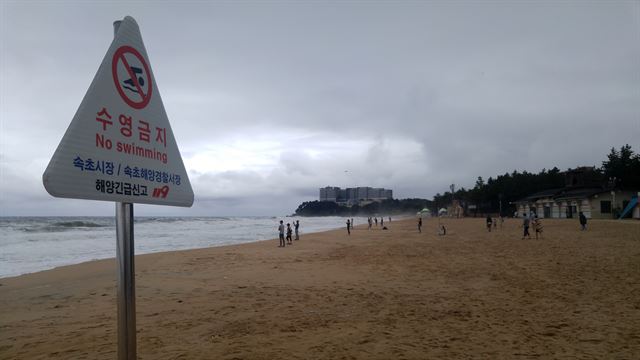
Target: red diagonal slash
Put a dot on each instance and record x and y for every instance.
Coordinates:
(118, 56)
(132, 75)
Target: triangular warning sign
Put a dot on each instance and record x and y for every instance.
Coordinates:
(119, 145)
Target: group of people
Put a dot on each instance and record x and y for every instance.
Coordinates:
(375, 220)
(285, 234)
(442, 230)
(349, 226)
(491, 222)
(370, 221)
(289, 231)
(527, 221)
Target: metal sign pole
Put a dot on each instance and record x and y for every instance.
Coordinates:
(126, 274)
(126, 282)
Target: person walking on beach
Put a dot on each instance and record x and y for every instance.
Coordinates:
(381, 221)
(281, 233)
(297, 225)
(420, 224)
(525, 225)
(583, 221)
(352, 223)
(489, 222)
(289, 231)
(349, 227)
(376, 220)
(369, 220)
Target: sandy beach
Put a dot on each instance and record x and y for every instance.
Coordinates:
(393, 294)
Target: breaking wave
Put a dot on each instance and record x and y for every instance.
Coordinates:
(64, 226)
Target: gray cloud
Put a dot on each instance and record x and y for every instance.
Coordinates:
(269, 101)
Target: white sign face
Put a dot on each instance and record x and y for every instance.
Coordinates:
(119, 145)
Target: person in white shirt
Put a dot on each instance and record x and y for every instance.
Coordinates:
(281, 230)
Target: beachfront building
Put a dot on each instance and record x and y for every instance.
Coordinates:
(329, 193)
(584, 193)
(594, 203)
(353, 196)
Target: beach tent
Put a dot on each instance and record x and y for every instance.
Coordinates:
(442, 211)
(424, 213)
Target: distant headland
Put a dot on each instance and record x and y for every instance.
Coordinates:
(359, 201)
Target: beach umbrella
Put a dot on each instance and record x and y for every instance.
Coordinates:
(424, 212)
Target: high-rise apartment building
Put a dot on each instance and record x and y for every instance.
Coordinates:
(352, 196)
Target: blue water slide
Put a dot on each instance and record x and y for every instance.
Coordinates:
(632, 204)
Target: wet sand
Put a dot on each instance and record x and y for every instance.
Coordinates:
(377, 294)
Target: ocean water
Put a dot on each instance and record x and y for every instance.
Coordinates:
(31, 244)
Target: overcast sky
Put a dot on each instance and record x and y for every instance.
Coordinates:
(269, 101)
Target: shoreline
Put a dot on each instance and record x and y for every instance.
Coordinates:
(83, 239)
(168, 252)
(112, 257)
(163, 252)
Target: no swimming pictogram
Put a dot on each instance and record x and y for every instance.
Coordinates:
(132, 77)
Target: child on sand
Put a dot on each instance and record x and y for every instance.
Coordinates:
(348, 226)
(289, 234)
(537, 225)
(583, 221)
(489, 222)
(420, 225)
(296, 227)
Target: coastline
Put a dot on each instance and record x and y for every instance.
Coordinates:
(76, 240)
(169, 252)
(376, 294)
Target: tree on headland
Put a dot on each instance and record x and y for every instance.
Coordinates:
(385, 207)
(320, 208)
